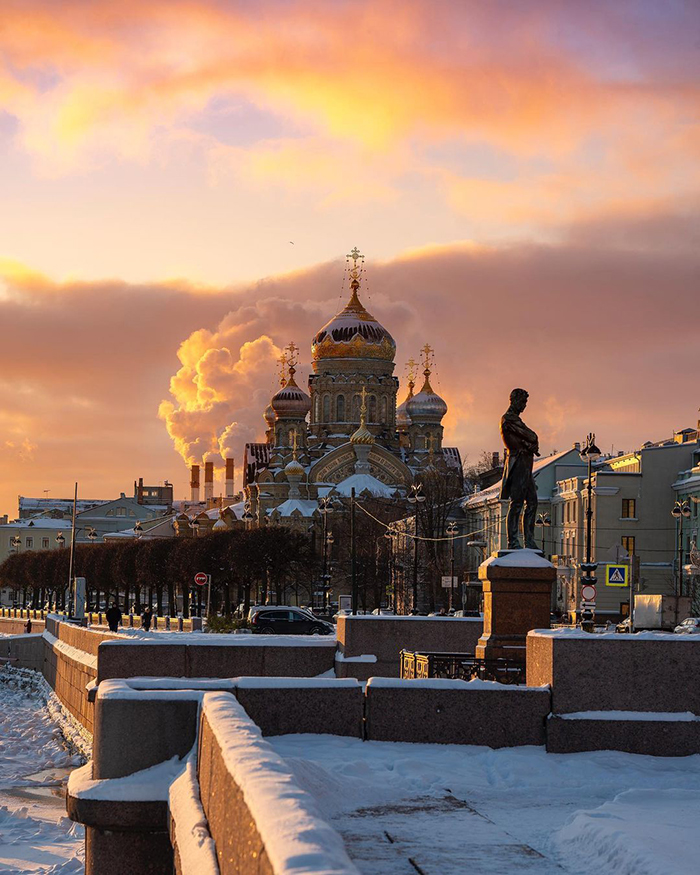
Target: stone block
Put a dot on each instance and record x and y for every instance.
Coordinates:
(386, 636)
(455, 712)
(138, 853)
(135, 733)
(298, 661)
(661, 738)
(223, 661)
(131, 659)
(610, 672)
(303, 705)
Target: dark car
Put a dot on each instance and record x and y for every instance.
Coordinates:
(289, 621)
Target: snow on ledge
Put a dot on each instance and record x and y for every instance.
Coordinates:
(363, 658)
(446, 684)
(195, 845)
(149, 785)
(270, 683)
(116, 688)
(670, 716)
(225, 640)
(70, 651)
(574, 632)
(296, 837)
(520, 559)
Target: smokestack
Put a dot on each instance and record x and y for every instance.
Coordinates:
(229, 478)
(208, 481)
(495, 459)
(139, 491)
(194, 483)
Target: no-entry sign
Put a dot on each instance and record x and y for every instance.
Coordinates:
(588, 592)
(201, 578)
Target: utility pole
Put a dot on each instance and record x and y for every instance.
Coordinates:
(353, 563)
(72, 545)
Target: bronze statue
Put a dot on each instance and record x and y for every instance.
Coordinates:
(518, 485)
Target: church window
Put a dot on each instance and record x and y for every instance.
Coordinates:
(372, 408)
(340, 408)
(317, 409)
(356, 408)
(326, 408)
(384, 409)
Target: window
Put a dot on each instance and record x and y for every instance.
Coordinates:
(628, 544)
(384, 409)
(121, 511)
(629, 508)
(44, 543)
(372, 408)
(29, 543)
(110, 513)
(326, 408)
(132, 513)
(340, 408)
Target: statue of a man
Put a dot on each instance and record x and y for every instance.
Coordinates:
(522, 445)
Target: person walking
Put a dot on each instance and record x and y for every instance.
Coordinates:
(114, 617)
(146, 617)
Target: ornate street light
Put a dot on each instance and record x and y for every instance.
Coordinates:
(325, 506)
(543, 519)
(60, 540)
(589, 453)
(451, 531)
(415, 497)
(91, 534)
(138, 529)
(681, 511)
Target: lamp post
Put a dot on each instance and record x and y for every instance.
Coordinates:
(325, 506)
(415, 498)
(138, 529)
(451, 531)
(589, 453)
(390, 535)
(543, 519)
(681, 511)
(91, 534)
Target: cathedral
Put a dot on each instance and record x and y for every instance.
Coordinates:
(348, 431)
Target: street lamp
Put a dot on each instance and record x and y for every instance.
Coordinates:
(325, 506)
(138, 529)
(247, 515)
(391, 535)
(589, 453)
(16, 542)
(681, 511)
(451, 531)
(543, 519)
(415, 497)
(60, 540)
(91, 534)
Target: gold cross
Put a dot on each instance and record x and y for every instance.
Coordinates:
(431, 443)
(427, 353)
(355, 255)
(294, 445)
(282, 362)
(412, 367)
(293, 350)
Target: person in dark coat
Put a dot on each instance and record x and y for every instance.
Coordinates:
(146, 617)
(518, 484)
(114, 617)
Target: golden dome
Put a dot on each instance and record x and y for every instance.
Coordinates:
(291, 401)
(353, 333)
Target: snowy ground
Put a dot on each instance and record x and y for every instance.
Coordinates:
(448, 809)
(35, 760)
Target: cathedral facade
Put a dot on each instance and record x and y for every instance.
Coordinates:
(347, 432)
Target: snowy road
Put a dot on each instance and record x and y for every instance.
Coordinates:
(446, 809)
(35, 834)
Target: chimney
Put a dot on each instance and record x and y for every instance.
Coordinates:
(208, 481)
(495, 459)
(194, 484)
(576, 446)
(229, 478)
(139, 491)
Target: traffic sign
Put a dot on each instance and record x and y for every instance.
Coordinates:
(448, 582)
(616, 575)
(588, 592)
(201, 578)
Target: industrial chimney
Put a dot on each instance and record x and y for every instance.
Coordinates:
(194, 484)
(208, 481)
(229, 478)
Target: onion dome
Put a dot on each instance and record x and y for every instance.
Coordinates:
(219, 526)
(354, 333)
(426, 405)
(363, 435)
(294, 469)
(269, 415)
(291, 401)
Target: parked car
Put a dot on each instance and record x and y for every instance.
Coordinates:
(689, 626)
(624, 626)
(383, 612)
(280, 620)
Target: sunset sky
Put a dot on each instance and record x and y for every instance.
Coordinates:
(181, 181)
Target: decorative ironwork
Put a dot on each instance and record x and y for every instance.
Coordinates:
(461, 666)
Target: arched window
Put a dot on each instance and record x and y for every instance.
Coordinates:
(384, 409)
(326, 408)
(317, 408)
(372, 411)
(356, 408)
(340, 408)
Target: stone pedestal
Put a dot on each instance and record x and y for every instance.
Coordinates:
(517, 588)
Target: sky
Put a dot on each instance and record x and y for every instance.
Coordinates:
(181, 182)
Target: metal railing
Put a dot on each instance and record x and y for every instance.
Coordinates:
(461, 666)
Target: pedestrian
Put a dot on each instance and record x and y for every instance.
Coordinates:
(146, 617)
(114, 617)
(28, 626)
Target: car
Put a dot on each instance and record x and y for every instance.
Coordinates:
(624, 626)
(689, 626)
(280, 620)
(383, 612)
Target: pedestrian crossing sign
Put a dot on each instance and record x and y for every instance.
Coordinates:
(616, 575)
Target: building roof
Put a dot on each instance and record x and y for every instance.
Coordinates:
(306, 507)
(493, 491)
(362, 483)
